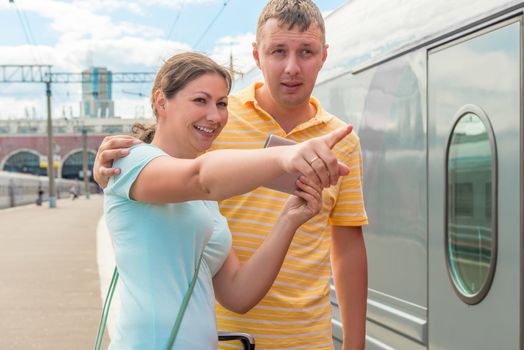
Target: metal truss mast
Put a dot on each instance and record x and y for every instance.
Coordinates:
(42, 74)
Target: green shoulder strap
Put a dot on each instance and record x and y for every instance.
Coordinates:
(183, 307)
(179, 317)
(105, 311)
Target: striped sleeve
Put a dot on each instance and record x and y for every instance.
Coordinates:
(349, 207)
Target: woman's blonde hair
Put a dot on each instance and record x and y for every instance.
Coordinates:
(173, 76)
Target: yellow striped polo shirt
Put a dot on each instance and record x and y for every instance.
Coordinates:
(296, 312)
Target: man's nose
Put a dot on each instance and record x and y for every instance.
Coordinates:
(292, 67)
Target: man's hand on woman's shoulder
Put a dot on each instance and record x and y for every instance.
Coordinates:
(111, 148)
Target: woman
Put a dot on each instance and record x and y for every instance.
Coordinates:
(161, 217)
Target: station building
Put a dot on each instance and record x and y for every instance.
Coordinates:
(23, 143)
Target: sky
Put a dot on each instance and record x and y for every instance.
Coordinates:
(122, 35)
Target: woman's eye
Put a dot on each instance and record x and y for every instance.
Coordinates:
(200, 100)
(222, 104)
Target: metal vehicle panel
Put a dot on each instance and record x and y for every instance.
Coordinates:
(482, 71)
(385, 97)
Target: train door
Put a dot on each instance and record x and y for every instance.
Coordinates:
(474, 190)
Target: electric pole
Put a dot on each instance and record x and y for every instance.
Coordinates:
(50, 149)
(231, 67)
(84, 162)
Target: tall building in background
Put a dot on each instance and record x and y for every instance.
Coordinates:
(97, 93)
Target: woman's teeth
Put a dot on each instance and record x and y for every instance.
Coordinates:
(209, 131)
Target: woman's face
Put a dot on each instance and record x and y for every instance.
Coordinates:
(195, 115)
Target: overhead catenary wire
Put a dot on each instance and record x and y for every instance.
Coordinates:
(175, 22)
(29, 30)
(226, 2)
(28, 33)
(168, 37)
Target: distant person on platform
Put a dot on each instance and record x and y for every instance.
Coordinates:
(74, 191)
(40, 196)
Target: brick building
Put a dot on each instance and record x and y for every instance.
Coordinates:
(23, 143)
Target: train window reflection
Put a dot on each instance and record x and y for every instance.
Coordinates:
(471, 236)
(463, 194)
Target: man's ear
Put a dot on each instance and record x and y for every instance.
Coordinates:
(324, 53)
(256, 54)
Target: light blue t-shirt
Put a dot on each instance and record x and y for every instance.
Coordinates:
(157, 247)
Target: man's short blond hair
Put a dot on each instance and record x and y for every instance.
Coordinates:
(301, 13)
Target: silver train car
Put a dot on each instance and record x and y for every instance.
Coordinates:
(19, 189)
(435, 91)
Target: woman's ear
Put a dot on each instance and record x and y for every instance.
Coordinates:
(159, 101)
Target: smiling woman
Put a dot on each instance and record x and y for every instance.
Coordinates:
(187, 107)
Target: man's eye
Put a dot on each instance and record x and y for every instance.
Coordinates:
(278, 52)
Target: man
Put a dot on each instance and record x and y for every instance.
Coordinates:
(290, 50)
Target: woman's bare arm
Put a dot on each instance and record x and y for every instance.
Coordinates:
(225, 173)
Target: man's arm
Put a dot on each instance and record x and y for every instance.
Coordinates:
(111, 148)
(350, 273)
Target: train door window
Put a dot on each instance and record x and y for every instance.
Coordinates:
(471, 241)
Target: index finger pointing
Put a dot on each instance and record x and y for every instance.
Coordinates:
(336, 136)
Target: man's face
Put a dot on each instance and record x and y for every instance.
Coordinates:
(290, 61)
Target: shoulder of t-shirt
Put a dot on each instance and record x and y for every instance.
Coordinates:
(138, 153)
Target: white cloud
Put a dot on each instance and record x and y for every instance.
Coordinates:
(124, 54)
(137, 6)
(130, 54)
(87, 35)
(110, 5)
(240, 47)
(128, 107)
(17, 106)
(81, 22)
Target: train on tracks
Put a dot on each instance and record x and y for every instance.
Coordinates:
(19, 189)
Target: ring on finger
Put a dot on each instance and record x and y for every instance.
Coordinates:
(312, 160)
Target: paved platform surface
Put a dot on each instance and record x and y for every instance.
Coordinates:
(49, 282)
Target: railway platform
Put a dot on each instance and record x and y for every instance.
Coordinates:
(50, 289)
